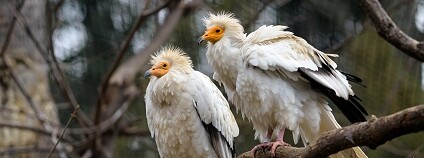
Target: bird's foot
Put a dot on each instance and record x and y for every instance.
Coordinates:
(267, 145)
(276, 144)
(260, 146)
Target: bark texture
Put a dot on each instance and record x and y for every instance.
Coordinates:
(389, 31)
(372, 134)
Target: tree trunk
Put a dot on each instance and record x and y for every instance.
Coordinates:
(23, 73)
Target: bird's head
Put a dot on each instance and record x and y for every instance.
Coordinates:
(169, 59)
(220, 25)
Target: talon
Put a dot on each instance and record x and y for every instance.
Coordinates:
(275, 145)
(262, 145)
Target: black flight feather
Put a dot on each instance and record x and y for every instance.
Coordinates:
(216, 138)
(353, 78)
(351, 108)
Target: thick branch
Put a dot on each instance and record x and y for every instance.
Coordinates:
(387, 29)
(372, 133)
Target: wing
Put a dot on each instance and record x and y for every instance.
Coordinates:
(272, 49)
(149, 105)
(215, 113)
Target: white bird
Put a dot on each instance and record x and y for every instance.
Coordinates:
(186, 113)
(278, 81)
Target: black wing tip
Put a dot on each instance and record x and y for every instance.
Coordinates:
(214, 133)
(356, 101)
(351, 108)
(353, 78)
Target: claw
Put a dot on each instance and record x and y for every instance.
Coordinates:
(260, 146)
(272, 145)
(276, 144)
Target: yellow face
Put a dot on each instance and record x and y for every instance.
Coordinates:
(159, 69)
(213, 34)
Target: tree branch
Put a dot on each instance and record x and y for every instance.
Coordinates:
(11, 124)
(121, 87)
(11, 151)
(10, 31)
(388, 30)
(122, 49)
(73, 115)
(54, 67)
(126, 73)
(372, 133)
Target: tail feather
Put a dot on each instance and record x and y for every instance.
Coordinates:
(219, 143)
(327, 123)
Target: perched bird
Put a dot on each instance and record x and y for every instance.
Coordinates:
(278, 81)
(186, 113)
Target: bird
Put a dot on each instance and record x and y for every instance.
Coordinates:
(187, 114)
(279, 81)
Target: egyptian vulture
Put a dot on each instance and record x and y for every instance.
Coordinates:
(278, 81)
(186, 113)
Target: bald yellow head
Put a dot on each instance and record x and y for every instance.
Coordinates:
(213, 34)
(218, 24)
(158, 69)
(168, 59)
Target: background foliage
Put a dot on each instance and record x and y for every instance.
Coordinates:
(88, 34)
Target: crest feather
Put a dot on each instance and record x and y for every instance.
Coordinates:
(225, 20)
(174, 55)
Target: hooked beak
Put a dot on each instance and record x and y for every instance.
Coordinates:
(147, 74)
(200, 40)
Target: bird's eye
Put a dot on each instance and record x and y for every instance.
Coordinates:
(217, 31)
(164, 65)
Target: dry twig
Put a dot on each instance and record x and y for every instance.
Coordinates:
(120, 88)
(73, 115)
(54, 67)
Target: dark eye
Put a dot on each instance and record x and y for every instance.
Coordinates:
(164, 65)
(217, 31)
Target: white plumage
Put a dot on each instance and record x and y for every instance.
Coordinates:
(278, 81)
(186, 113)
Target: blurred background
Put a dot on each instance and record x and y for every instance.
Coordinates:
(87, 35)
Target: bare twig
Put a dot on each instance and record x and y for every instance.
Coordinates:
(123, 48)
(34, 106)
(120, 88)
(388, 30)
(372, 134)
(11, 124)
(97, 131)
(27, 114)
(73, 115)
(23, 149)
(54, 67)
(10, 31)
(125, 74)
